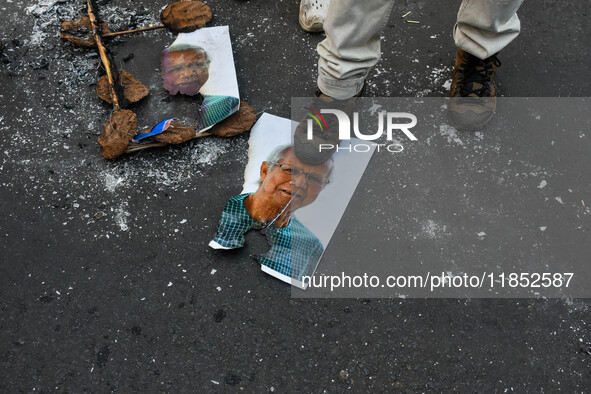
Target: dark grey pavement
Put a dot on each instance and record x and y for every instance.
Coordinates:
(106, 280)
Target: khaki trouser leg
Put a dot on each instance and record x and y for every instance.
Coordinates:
(352, 45)
(353, 28)
(484, 27)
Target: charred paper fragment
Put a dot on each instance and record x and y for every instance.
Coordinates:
(117, 134)
(186, 16)
(79, 32)
(133, 90)
(176, 133)
(237, 123)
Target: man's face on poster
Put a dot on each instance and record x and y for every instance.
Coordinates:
(185, 71)
(291, 177)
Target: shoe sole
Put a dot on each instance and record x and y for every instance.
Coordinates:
(470, 126)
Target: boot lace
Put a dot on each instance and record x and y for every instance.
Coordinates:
(475, 79)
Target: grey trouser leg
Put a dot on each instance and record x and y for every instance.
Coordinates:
(352, 44)
(484, 27)
(353, 28)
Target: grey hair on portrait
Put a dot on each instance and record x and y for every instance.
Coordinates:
(277, 154)
(281, 151)
(185, 47)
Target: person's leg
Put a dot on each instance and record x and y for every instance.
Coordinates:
(352, 45)
(484, 27)
(350, 50)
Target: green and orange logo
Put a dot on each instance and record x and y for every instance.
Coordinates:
(318, 118)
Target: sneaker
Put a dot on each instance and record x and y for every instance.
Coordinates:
(473, 92)
(327, 136)
(312, 15)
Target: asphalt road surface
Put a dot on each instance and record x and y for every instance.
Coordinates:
(106, 280)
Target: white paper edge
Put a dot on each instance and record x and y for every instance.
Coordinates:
(215, 245)
(222, 71)
(284, 278)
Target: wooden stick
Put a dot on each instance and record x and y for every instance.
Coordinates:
(102, 53)
(117, 33)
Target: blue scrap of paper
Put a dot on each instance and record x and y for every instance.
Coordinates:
(159, 128)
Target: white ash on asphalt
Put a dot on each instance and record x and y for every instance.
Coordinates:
(53, 74)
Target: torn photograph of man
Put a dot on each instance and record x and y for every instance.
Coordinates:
(185, 69)
(286, 185)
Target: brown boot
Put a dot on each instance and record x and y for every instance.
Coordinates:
(473, 91)
(325, 131)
